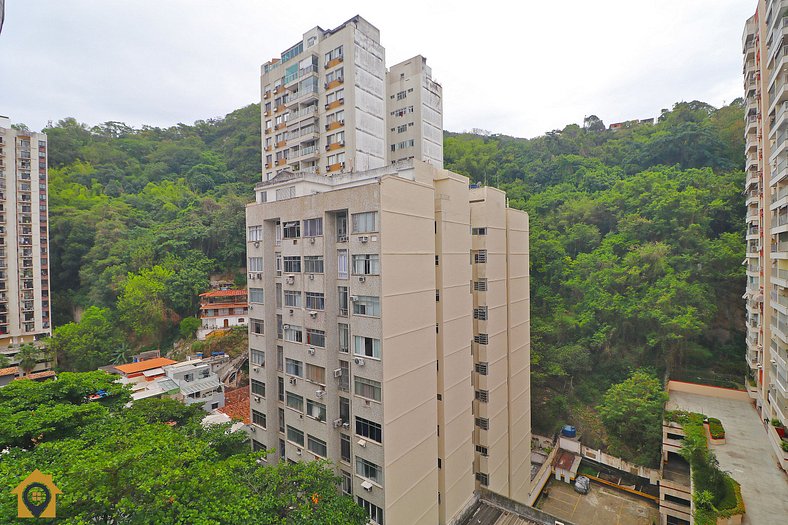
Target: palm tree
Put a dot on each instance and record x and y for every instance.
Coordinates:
(28, 357)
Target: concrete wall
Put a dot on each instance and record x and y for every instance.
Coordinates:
(705, 390)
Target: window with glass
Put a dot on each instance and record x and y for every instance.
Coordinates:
(313, 227)
(481, 368)
(255, 264)
(280, 358)
(369, 470)
(257, 357)
(339, 94)
(278, 291)
(313, 264)
(344, 409)
(316, 410)
(336, 74)
(258, 418)
(333, 54)
(344, 447)
(374, 512)
(364, 222)
(342, 264)
(480, 256)
(344, 379)
(294, 367)
(258, 387)
(292, 264)
(347, 482)
(255, 233)
(278, 259)
(257, 326)
(281, 388)
(316, 374)
(281, 412)
(256, 295)
(480, 313)
(369, 429)
(315, 301)
(366, 346)
(295, 435)
(315, 337)
(317, 446)
(478, 231)
(367, 388)
(344, 338)
(292, 299)
(368, 305)
(291, 229)
(342, 299)
(295, 401)
(366, 264)
(480, 285)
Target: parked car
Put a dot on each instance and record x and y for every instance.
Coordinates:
(582, 485)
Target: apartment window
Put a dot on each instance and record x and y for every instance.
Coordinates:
(255, 264)
(316, 446)
(313, 264)
(337, 158)
(369, 470)
(292, 298)
(480, 313)
(342, 298)
(281, 412)
(313, 227)
(480, 256)
(337, 74)
(257, 446)
(347, 482)
(258, 326)
(316, 374)
(336, 138)
(339, 94)
(295, 401)
(368, 305)
(482, 396)
(364, 222)
(437, 295)
(278, 257)
(344, 379)
(256, 295)
(255, 233)
(258, 387)
(268, 124)
(334, 53)
(482, 339)
(369, 429)
(344, 409)
(294, 367)
(258, 358)
(293, 334)
(401, 95)
(280, 358)
(482, 478)
(402, 129)
(400, 112)
(315, 337)
(366, 264)
(295, 435)
(478, 231)
(258, 418)
(292, 264)
(367, 388)
(480, 285)
(481, 368)
(366, 346)
(483, 423)
(315, 301)
(342, 272)
(316, 410)
(282, 448)
(292, 230)
(344, 338)
(344, 447)
(339, 116)
(374, 512)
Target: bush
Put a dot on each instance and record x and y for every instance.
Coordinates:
(776, 422)
(716, 429)
(785, 445)
(188, 327)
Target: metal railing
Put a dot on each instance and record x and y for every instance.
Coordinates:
(300, 73)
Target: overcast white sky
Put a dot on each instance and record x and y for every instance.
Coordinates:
(515, 67)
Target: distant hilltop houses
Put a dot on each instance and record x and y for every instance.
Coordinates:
(630, 123)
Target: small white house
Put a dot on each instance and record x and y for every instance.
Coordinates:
(222, 309)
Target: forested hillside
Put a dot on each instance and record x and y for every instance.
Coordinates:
(636, 240)
(636, 250)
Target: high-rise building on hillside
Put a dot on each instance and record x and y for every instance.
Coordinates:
(766, 188)
(24, 245)
(388, 298)
(328, 105)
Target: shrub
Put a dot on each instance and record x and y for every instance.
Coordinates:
(716, 429)
(189, 326)
(776, 422)
(785, 445)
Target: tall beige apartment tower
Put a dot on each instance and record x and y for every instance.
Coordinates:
(326, 106)
(766, 187)
(389, 333)
(24, 244)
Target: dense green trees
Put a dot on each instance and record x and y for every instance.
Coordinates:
(119, 465)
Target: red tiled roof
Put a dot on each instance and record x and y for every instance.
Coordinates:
(10, 371)
(38, 375)
(223, 293)
(236, 404)
(148, 364)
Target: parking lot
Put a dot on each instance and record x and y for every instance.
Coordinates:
(601, 506)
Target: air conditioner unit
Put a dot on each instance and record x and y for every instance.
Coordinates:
(367, 485)
(311, 240)
(255, 369)
(320, 393)
(362, 443)
(359, 361)
(311, 350)
(291, 311)
(363, 238)
(251, 275)
(256, 399)
(354, 298)
(286, 326)
(338, 372)
(256, 244)
(346, 425)
(292, 380)
(342, 238)
(259, 275)
(253, 429)
(311, 277)
(361, 278)
(337, 423)
(313, 314)
(298, 451)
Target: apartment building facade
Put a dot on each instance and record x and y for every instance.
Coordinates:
(24, 245)
(766, 191)
(326, 106)
(389, 316)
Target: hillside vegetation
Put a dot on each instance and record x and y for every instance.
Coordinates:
(636, 241)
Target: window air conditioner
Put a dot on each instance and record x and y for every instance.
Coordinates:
(320, 393)
(359, 361)
(363, 238)
(361, 278)
(256, 399)
(291, 311)
(313, 314)
(251, 275)
(362, 443)
(311, 277)
(338, 372)
(286, 326)
(367, 485)
(337, 423)
(292, 380)
(256, 244)
(311, 240)
(311, 350)
(354, 298)
(346, 425)
(343, 238)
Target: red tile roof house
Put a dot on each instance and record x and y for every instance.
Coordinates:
(222, 309)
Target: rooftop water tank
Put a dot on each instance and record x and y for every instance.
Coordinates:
(569, 431)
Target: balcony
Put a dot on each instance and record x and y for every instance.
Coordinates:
(752, 216)
(279, 90)
(780, 277)
(335, 167)
(304, 96)
(280, 108)
(778, 173)
(281, 144)
(308, 153)
(309, 111)
(292, 77)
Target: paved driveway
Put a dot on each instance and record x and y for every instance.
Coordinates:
(746, 455)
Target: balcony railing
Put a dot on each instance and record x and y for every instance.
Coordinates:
(303, 112)
(300, 73)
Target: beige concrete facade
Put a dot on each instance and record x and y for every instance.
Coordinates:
(24, 246)
(766, 188)
(370, 336)
(326, 108)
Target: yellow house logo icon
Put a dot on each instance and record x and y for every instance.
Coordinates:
(36, 496)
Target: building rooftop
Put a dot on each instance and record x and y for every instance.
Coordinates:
(224, 293)
(38, 375)
(486, 514)
(10, 371)
(200, 385)
(149, 364)
(236, 404)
